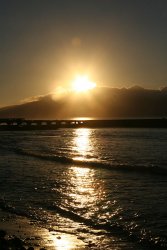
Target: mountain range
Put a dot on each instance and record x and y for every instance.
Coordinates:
(101, 102)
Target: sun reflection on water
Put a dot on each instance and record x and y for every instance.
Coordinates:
(83, 193)
(85, 190)
(82, 144)
(66, 242)
(61, 243)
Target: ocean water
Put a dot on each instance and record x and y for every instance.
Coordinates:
(106, 186)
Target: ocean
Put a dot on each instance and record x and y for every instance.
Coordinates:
(107, 187)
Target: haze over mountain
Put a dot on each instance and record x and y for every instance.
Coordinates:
(45, 43)
(101, 102)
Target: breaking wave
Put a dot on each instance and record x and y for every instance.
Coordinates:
(151, 170)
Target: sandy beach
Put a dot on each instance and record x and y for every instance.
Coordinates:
(18, 233)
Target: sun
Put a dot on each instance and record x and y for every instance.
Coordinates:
(82, 84)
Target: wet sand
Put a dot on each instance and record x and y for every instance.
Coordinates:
(17, 233)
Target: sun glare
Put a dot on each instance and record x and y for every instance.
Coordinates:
(82, 84)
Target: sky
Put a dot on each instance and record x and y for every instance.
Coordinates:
(45, 43)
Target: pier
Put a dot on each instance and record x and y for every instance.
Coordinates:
(19, 124)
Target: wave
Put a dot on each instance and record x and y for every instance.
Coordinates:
(151, 170)
(114, 229)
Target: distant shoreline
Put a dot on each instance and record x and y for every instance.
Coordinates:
(20, 124)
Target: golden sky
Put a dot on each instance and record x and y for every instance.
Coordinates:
(45, 44)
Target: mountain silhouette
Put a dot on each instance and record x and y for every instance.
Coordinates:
(101, 102)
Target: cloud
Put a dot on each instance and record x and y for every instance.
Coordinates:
(31, 99)
(101, 102)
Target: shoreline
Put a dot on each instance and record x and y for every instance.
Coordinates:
(18, 233)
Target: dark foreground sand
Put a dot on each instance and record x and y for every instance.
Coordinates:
(17, 233)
